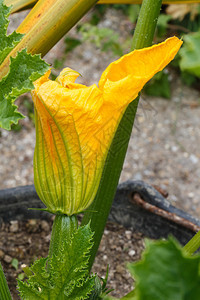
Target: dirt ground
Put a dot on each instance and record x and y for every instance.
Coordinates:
(26, 241)
(163, 150)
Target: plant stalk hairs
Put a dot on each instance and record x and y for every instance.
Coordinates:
(75, 125)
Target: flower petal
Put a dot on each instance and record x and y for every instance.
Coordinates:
(75, 125)
(68, 120)
(67, 76)
(124, 78)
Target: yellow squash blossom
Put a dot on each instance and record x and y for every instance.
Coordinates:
(75, 125)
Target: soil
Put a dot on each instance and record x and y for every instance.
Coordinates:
(163, 151)
(25, 241)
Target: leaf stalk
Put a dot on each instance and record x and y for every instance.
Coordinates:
(4, 290)
(193, 245)
(63, 228)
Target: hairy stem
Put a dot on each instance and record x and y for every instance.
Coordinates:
(146, 24)
(63, 227)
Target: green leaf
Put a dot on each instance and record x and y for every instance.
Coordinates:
(24, 69)
(97, 290)
(22, 73)
(162, 24)
(188, 78)
(189, 53)
(15, 263)
(104, 38)
(7, 42)
(71, 43)
(65, 275)
(4, 290)
(166, 272)
(133, 12)
(84, 290)
(129, 296)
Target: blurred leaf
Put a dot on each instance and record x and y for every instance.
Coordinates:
(129, 296)
(16, 127)
(189, 53)
(21, 276)
(166, 273)
(71, 43)
(122, 7)
(133, 12)
(15, 263)
(162, 24)
(28, 104)
(104, 38)
(98, 13)
(188, 78)
(115, 47)
(58, 63)
(159, 86)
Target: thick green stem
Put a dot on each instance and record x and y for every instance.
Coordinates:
(100, 208)
(63, 227)
(193, 245)
(146, 24)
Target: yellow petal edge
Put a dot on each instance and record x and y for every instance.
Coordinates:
(75, 125)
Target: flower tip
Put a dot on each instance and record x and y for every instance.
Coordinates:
(42, 79)
(175, 41)
(67, 76)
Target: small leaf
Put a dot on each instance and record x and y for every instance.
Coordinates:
(15, 263)
(21, 276)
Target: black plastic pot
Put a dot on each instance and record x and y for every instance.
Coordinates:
(136, 205)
